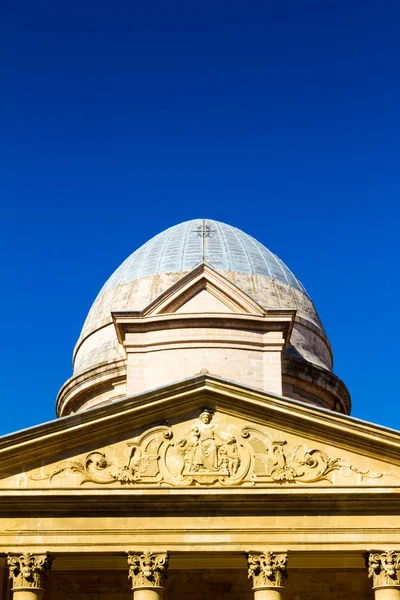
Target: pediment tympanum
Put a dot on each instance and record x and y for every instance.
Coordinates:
(205, 449)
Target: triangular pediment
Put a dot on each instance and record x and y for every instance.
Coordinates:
(203, 290)
(166, 439)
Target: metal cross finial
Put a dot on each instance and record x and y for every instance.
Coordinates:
(204, 231)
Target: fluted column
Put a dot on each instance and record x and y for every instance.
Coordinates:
(268, 571)
(147, 572)
(384, 570)
(28, 573)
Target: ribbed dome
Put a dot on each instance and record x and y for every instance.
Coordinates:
(181, 247)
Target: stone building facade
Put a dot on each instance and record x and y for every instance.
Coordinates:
(204, 445)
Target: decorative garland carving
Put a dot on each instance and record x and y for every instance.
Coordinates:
(384, 568)
(206, 455)
(29, 570)
(147, 569)
(267, 569)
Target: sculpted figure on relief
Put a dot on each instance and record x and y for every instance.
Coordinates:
(204, 450)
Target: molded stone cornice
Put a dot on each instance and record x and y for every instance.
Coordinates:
(147, 569)
(384, 568)
(267, 569)
(29, 570)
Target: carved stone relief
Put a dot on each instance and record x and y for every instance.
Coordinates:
(147, 569)
(29, 570)
(267, 569)
(384, 568)
(208, 453)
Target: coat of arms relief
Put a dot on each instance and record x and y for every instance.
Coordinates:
(207, 453)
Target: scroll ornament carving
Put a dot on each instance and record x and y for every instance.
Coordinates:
(147, 569)
(207, 454)
(267, 569)
(29, 570)
(384, 568)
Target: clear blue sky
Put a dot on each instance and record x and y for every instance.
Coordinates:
(117, 120)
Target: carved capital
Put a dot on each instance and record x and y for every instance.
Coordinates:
(267, 569)
(29, 570)
(147, 569)
(384, 568)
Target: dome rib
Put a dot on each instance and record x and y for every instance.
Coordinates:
(185, 241)
(171, 229)
(223, 243)
(237, 236)
(254, 242)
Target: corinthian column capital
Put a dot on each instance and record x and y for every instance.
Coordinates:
(29, 571)
(268, 570)
(384, 568)
(147, 569)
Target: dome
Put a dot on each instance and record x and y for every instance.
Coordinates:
(181, 247)
(166, 258)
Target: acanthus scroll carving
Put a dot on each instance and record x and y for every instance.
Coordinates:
(29, 570)
(274, 462)
(267, 569)
(142, 464)
(208, 453)
(384, 568)
(147, 569)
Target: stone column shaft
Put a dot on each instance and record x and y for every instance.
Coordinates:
(148, 593)
(27, 594)
(268, 572)
(387, 594)
(268, 594)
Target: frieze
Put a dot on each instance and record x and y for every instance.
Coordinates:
(208, 453)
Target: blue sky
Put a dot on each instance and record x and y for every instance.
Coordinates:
(118, 120)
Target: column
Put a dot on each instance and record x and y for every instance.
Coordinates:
(147, 572)
(268, 572)
(28, 573)
(384, 570)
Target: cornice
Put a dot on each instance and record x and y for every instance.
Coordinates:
(176, 399)
(106, 373)
(299, 371)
